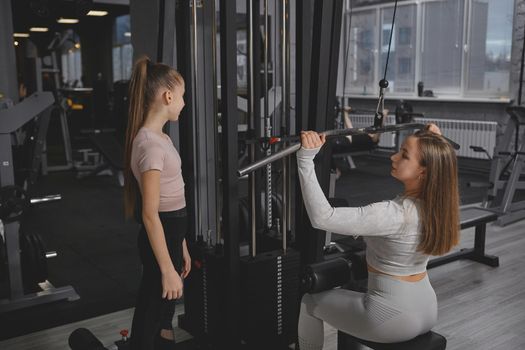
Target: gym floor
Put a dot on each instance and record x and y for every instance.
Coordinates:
(106, 275)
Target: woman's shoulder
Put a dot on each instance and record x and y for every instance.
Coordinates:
(146, 139)
(409, 205)
(402, 204)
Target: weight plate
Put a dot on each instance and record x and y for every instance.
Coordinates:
(13, 202)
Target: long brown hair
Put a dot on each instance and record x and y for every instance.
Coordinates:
(146, 79)
(439, 194)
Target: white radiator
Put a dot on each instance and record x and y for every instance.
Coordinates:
(465, 132)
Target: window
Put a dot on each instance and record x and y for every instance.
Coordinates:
(70, 59)
(442, 46)
(361, 43)
(401, 74)
(405, 35)
(72, 67)
(490, 47)
(122, 49)
(405, 65)
(454, 47)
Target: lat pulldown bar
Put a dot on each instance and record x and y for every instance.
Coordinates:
(329, 134)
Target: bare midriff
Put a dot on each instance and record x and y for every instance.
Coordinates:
(410, 278)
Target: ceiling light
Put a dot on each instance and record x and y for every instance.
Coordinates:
(21, 35)
(38, 29)
(127, 34)
(97, 13)
(16, 43)
(67, 20)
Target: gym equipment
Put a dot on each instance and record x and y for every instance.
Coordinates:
(501, 192)
(14, 200)
(269, 295)
(60, 104)
(506, 168)
(267, 282)
(33, 258)
(3, 259)
(427, 341)
(244, 214)
(113, 155)
(330, 134)
(478, 218)
(84, 339)
(325, 275)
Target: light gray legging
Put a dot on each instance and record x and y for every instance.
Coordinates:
(391, 311)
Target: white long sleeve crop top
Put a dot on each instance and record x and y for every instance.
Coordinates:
(390, 228)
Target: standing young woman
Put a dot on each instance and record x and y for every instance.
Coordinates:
(153, 169)
(400, 235)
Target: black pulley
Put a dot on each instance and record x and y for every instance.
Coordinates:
(33, 260)
(325, 275)
(13, 202)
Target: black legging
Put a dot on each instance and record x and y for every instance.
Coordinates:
(152, 312)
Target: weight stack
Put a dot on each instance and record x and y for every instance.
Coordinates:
(269, 299)
(204, 296)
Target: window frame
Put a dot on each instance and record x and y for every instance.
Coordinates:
(463, 90)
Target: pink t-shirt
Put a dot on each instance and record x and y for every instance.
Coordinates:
(153, 151)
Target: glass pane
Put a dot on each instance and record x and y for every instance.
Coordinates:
(117, 64)
(490, 47)
(127, 61)
(442, 45)
(122, 33)
(65, 69)
(361, 44)
(78, 68)
(401, 64)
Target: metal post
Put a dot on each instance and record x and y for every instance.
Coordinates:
(196, 118)
(267, 126)
(304, 15)
(186, 122)
(287, 112)
(216, 122)
(284, 119)
(252, 122)
(230, 164)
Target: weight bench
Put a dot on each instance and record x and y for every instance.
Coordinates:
(112, 152)
(478, 218)
(328, 274)
(427, 341)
